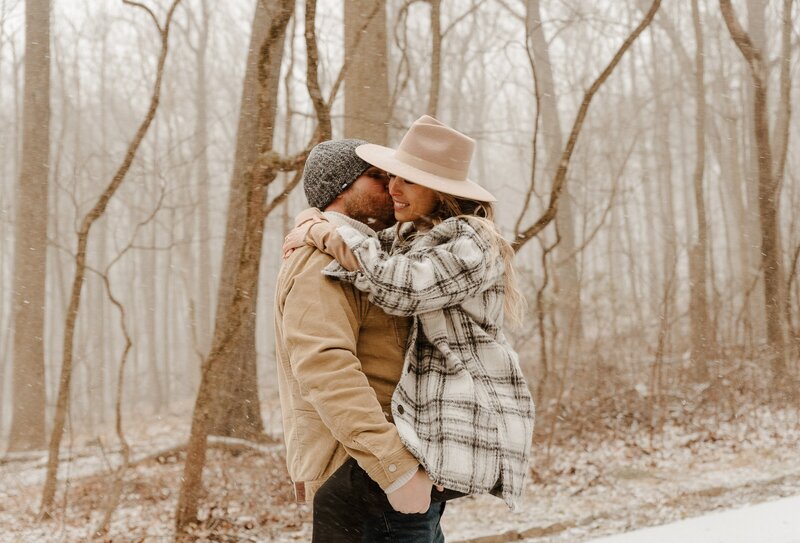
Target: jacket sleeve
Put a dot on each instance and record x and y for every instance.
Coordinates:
(454, 263)
(321, 328)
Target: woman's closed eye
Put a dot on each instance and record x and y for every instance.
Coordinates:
(405, 181)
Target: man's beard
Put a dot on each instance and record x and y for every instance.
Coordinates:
(377, 213)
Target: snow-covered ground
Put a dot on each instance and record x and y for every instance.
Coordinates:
(598, 489)
(776, 521)
(580, 490)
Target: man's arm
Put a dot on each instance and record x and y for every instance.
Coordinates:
(321, 328)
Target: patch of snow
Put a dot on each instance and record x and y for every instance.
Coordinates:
(777, 521)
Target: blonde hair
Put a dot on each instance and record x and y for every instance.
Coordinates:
(481, 215)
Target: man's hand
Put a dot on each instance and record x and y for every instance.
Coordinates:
(414, 496)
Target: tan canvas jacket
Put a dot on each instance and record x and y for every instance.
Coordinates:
(339, 360)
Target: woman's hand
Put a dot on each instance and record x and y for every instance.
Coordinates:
(299, 235)
(312, 228)
(295, 239)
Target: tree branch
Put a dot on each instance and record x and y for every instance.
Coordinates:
(287, 190)
(460, 18)
(561, 173)
(312, 75)
(148, 10)
(742, 40)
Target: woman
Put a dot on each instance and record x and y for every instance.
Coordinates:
(462, 406)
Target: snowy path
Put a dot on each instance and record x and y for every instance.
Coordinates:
(771, 522)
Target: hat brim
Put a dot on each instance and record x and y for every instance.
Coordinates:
(384, 158)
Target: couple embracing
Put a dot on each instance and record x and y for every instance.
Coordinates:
(399, 389)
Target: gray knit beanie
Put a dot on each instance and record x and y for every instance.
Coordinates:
(330, 168)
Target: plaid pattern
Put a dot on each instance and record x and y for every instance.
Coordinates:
(462, 406)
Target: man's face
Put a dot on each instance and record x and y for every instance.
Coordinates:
(367, 200)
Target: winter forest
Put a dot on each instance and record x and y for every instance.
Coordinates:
(645, 159)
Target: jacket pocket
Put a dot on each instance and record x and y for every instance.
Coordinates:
(468, 432)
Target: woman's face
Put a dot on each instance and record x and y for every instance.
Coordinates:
(412, 202)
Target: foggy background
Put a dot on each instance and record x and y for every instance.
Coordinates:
(639, 309)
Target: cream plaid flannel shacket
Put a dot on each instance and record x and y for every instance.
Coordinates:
(462, 406)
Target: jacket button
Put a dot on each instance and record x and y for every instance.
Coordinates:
(400, 409)
(392, 468)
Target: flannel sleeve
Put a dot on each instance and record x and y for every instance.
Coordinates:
(454, 264)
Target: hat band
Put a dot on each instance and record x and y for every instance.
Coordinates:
(430, 167)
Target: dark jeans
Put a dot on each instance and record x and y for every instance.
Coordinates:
(351, 508)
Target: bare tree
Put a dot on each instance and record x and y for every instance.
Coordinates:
(97, 211)
(569, 291)
(233, 320)
(203, 305)
(698, 254)
(782, 132)
(30, 248)
(768, 195)
(756, 303)
(235, 410)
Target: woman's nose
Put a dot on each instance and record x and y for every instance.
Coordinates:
(395, 185)
(393, 182)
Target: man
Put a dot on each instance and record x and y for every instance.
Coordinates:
(339, 360)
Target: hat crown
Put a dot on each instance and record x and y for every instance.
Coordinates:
(436, 148)
(433, 155)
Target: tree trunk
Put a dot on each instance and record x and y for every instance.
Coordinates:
(30, 247)
(286, 219)
(95, 334)
(235, 410)
(698, 252)
(570, 315)
(725, 140)
(781, 141)
(235, 326)
(757, 302)
(768, 205)
(768, 196)
(366, 88)
(664, 205)
(436, 56)
(203, 291)
(151, 285)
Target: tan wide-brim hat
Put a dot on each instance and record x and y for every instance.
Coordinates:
(433, 155)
